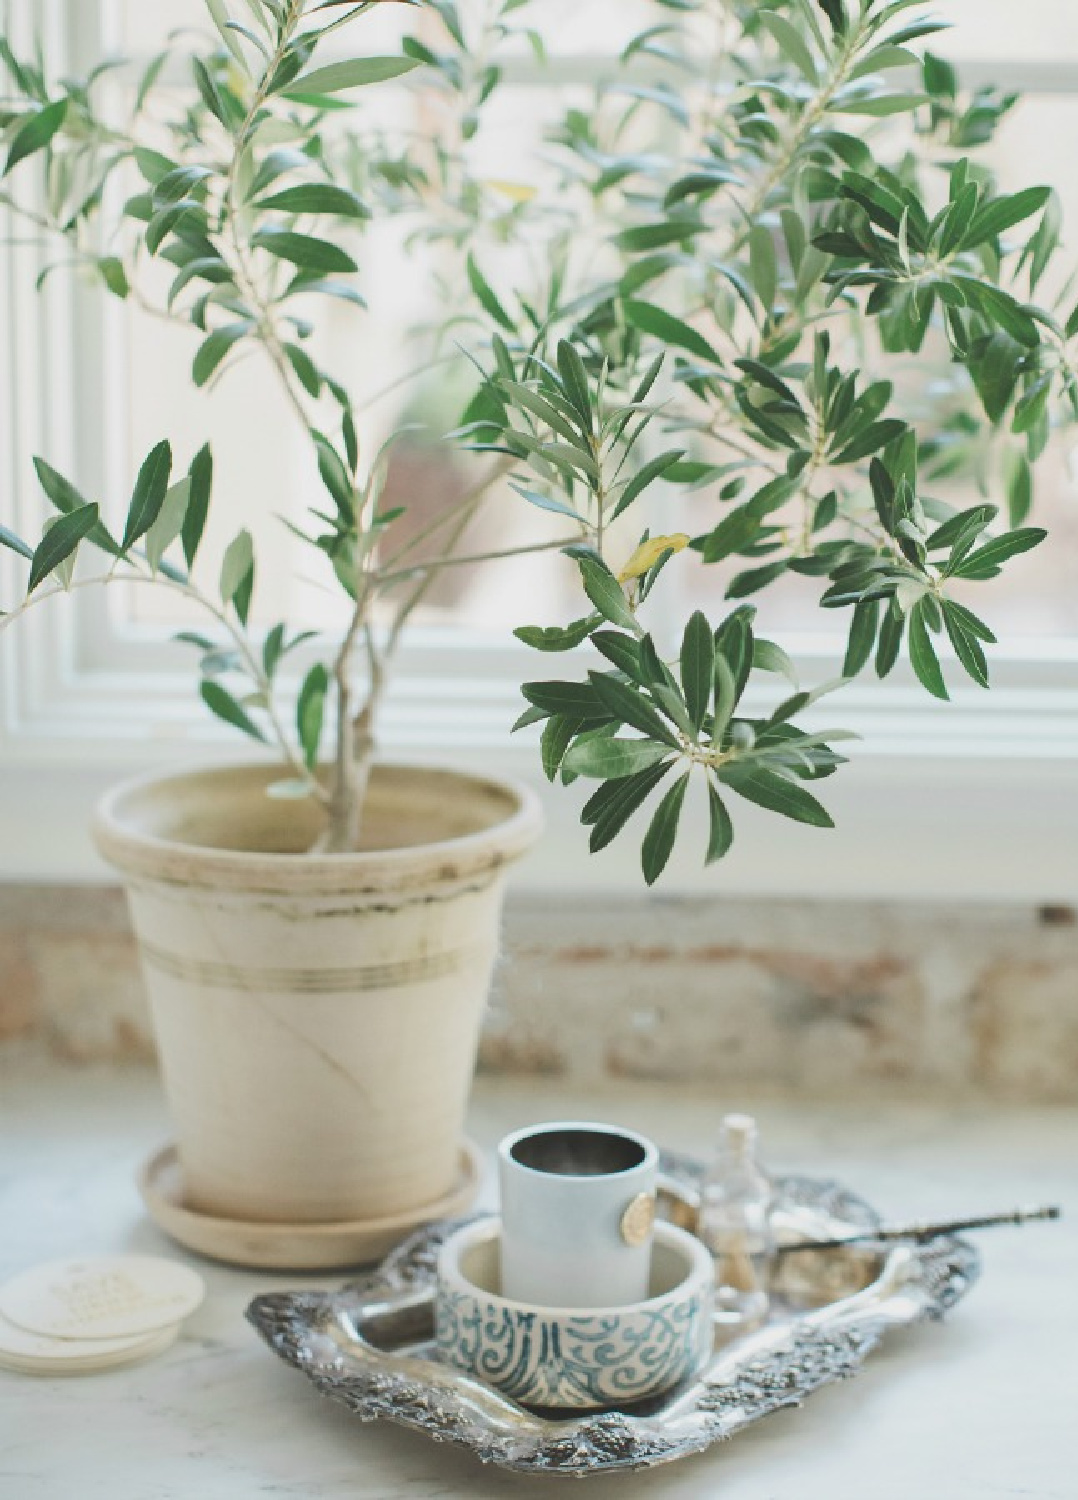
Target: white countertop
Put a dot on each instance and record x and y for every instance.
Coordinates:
(980, 1407)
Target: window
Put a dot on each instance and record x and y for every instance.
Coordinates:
(96, 686)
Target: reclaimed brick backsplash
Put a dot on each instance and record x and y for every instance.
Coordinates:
(811, 998)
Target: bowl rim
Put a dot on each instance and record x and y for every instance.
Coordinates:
(699, 1272)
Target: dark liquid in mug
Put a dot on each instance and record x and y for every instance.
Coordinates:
(578, 1153)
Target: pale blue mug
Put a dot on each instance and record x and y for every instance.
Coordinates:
(578, 1211)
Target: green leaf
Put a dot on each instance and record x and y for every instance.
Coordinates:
(923, 656)
(995, 365)
(221, 702)
(60, 491)
(205, 268)
(763, 264)
(725, 697)
(791, 43)
(336, 477)
(577, 699)
(974, 626)
(275, 164)
(201, 476)
(720, 828)
(556, 638)
(697, 667)
(659, 839)
(623, 651)
(304, 250)
(112, 273)
(35, 133)
(213, 349)
(1004, 213)
(179, 184)
(734, 639)
(606, 593)
(881, 104)
(988, 558)
(615, 802)
(754, 579)
(863, 627)
(646, 475)
(169, 523)
(967, 647)
(153, 166)
(776, 793)
(696, 184)
(655, 236)
(66, 498)
(557, 736)
(310, 712)
(16, 544)
(663, 325)
(608, 760)
(236, 564)
(1019, 481)
(356, 73)
(575, 380)
(486, 297)
(734, 532)
(273, 649)
(545, 502)
(999, 307)
(957, 526)
(869, 440)
(209, 92)
(630, 707)
(220, 18)
(316, 198)
(60, 542)
(890, 642)
(148, 496)
(768, 657)
(540, 407)
(165, 220)
(307, 372)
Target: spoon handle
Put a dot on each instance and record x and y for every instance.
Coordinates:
(926, 1231)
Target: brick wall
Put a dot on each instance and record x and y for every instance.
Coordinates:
(814, 999)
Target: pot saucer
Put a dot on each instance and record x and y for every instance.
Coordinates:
(292, 1247)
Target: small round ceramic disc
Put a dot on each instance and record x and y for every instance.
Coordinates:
(36, 1354)
(20, 1343)
(101, 1297)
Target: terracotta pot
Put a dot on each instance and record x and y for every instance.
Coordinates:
(316, 1016)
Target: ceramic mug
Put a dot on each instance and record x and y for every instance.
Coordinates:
(568, 1357)
(578, 1210)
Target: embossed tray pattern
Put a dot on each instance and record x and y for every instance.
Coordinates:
(370, 1346)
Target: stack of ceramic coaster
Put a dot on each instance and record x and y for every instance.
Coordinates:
(75, 1317)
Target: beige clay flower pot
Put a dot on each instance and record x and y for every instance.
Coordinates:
(316, 1015)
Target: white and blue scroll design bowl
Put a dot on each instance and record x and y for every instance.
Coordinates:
(571, 1357)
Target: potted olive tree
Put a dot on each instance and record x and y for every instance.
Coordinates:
(740, 289)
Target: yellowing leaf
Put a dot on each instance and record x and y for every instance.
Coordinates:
(649, 552)
(519, 192)
(238, 81)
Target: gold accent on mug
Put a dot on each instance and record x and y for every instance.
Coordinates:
(638, 1219)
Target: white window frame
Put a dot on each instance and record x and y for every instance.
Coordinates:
(976, 799)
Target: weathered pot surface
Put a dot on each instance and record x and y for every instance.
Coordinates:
(317, 1016)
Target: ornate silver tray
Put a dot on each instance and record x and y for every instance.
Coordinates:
(370, 1345)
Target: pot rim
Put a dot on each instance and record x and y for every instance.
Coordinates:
(133, 851)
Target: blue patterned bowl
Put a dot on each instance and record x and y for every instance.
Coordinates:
(571, 1357)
